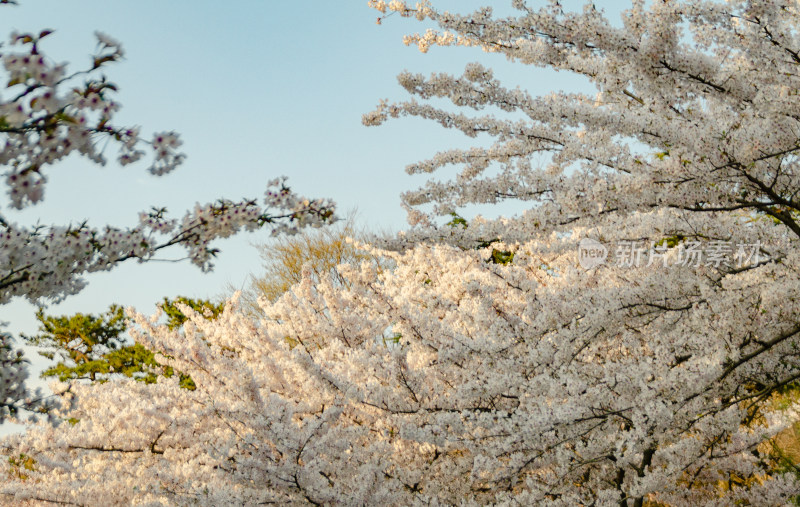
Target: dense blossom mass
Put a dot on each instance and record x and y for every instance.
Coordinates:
(482, 363)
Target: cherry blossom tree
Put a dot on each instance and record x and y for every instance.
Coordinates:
(655, 369)
(49, 113)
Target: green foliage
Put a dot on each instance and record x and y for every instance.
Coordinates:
(133, 360)
(291, 341)
(80, 341)
(457, 221)
(501, 256)
(786, 462)
(176, 318)
(318, 252)
(19, 465)
(394, 339)
(96, 347)
(498, 256)
(671, 241)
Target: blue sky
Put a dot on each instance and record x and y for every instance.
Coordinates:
(256, 89)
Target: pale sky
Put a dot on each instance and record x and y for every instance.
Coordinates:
(257, 89)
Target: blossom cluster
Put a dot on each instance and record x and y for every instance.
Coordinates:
(12, 377)
(49, 116)
(48, 262)
(15, 396)
(661, 117)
